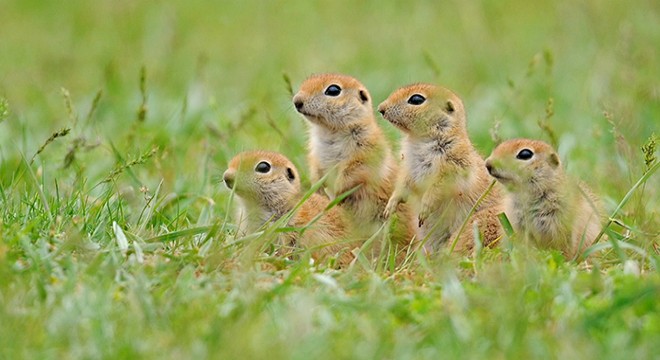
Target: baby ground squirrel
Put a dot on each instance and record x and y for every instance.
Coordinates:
(346, 144)
(543, 203)
(267, 186)
(443, 176)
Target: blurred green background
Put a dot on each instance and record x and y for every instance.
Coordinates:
(506, 58)
(214, 82)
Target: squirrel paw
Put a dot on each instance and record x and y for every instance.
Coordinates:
(421, 218)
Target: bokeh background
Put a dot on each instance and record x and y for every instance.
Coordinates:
(219, 64)
(112, 103)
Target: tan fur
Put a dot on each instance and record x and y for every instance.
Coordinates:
(543, 204)
(346, 142)
(443, 176)
(268, 196)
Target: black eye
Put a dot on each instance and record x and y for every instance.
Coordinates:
(416, 99)
(525, 154)
(333, 90)
(262, 167)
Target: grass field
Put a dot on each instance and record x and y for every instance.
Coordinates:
(117, 119)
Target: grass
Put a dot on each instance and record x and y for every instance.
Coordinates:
(117, 120)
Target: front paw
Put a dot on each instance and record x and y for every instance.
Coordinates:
(421, 218)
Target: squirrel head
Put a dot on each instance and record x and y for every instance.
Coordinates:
(425, 110)
(520, 162)
(262, 179)
(333, 101)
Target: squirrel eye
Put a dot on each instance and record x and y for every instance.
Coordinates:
(525, 154)
(262, 167)
(416, 99)
(333, 90)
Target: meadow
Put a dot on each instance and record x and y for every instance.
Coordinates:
(118, 118)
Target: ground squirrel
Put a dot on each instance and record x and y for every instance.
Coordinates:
(543, 204)
(347, 145)
(267, 186)
(443, 176)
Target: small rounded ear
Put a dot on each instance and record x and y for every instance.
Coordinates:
(553, 160)
(363, 96)
(449, 106)
(290, 174)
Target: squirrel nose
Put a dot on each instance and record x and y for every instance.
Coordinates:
(489, 167)
(229, 179)
(298, 104)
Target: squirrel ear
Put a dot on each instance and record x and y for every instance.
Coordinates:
(363, 96)
(290, 174)
(553, 160)
(449, 106)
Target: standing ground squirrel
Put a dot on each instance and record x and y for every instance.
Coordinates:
(543, 204)
(443, 175)
(347, 145)
(267, 186)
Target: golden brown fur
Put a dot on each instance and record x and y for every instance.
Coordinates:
(347, 145)
(543, 204)
(443, 176)
(267, 196)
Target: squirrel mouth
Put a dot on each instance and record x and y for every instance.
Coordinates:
(494, 173)
(498, 176)
(398, 124)
(306, 115)
(311, 118)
